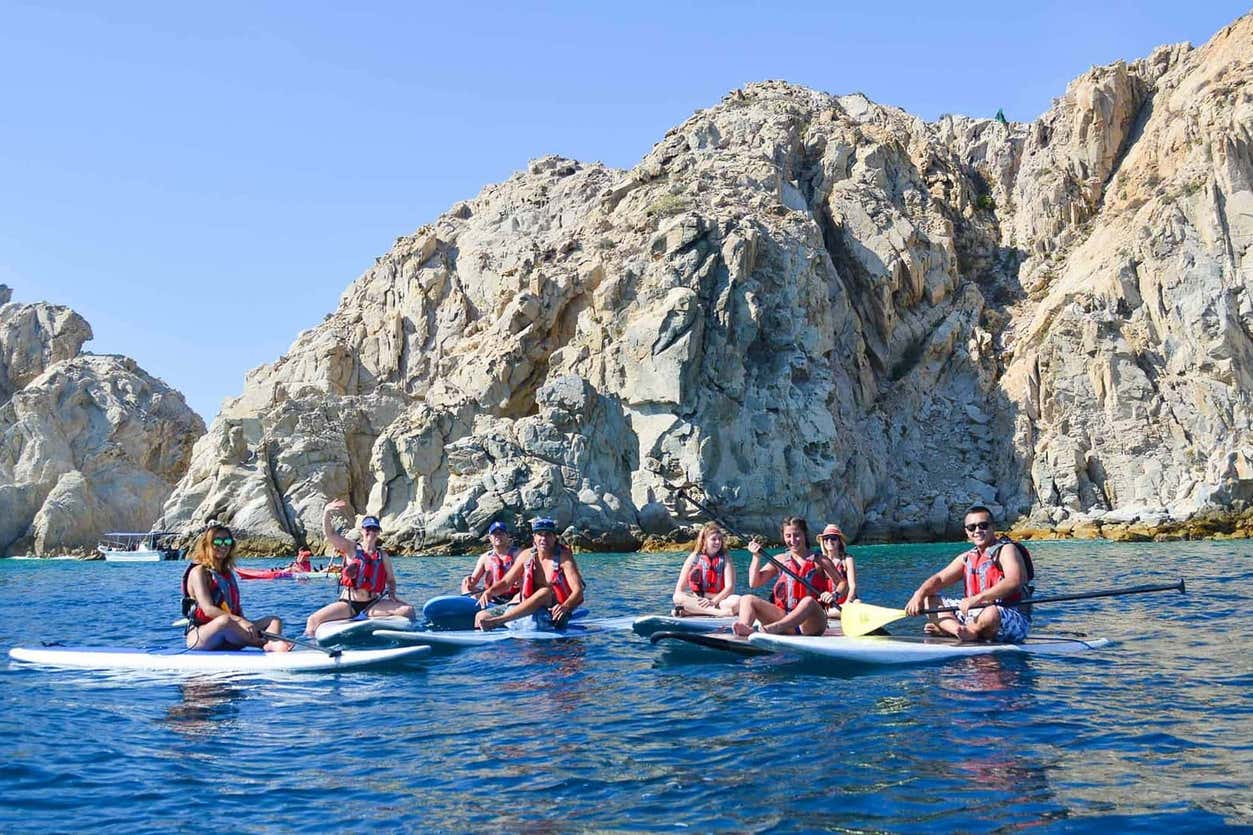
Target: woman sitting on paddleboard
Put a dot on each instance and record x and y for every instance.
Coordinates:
(793, 607)
(832, 540)
(367, 580)
(550, 581)
(494, 565)
(215, 618)
(707, 579)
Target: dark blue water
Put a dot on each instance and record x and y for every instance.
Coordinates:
(1154, 734)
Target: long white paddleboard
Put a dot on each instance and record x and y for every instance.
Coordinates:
(341, 631)
(474, 637)
(875, 650)
(251, 660)
(667, 623)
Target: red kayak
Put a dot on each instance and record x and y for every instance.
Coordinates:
(262, 573)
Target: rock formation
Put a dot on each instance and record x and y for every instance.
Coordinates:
(801, 303)
(87, 443)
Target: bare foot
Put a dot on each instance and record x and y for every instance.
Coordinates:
(277, 646)
(931, 629)
(741, 630)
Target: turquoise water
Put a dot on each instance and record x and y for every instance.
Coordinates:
(609, 732)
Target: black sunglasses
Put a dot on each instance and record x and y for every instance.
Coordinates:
(831, 538)
(978, 526)
(219, 542)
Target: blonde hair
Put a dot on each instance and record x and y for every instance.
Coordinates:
(203, 552)
(705, 532)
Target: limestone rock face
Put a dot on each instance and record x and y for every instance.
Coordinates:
(87, 443)
(802, 304)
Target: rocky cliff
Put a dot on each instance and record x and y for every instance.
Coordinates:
(87, 443)
(802, 303)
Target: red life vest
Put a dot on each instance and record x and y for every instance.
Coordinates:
(223, 592)
(365, 571)
(842, 570)
(707, 575)
(983, 571)
(498, 566)
(557, 582)
(788, 591)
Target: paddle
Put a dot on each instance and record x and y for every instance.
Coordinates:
(857, 618)
(683, 492)
(274, 636)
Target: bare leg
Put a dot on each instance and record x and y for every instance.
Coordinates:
(272, 624)
(983, 628)
(809, 618)
(755, 609)
(223, 632)
(689, 605)
(942, 624)
(389, 606)
(532, 604)
(339, 610)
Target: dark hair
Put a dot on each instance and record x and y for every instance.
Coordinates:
(798, 522)
(978, 508)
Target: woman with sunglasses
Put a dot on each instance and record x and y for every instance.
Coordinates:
(367, 580)
(996, 571)
(707, 579)
(794, 607)
(832, 540)
(215, 618)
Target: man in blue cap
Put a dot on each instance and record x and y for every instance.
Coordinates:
(367, 580)
(550, 580)
(493, 565)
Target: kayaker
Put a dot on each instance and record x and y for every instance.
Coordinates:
(494, 564)
(833, 545)
(215, 618)
(995, 570)
(792, 608)
(367, 580)
(549, 577)
(706, 582)
(303, 563)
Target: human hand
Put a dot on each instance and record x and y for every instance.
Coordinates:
(338, 504)
(704, 602)
(914, 606)
(755, 548)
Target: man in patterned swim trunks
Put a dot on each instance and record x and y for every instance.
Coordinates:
(996, 571)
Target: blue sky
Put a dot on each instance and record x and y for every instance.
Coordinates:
(202, 182)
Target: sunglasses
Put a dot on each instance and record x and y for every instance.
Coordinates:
(978, 526)
(831, 538)
(223, 542)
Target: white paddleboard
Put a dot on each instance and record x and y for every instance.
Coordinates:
(474, 637)
(251, 660)
(874, 650)
(668, 623)
(339, 631)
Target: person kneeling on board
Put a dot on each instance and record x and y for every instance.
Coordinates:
(995, 571)
(367, 580)
(494, 565)
(550, 579)
(707, 579)
(793, 607)
(215, 618)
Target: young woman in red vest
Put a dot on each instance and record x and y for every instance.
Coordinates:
(367, 580)
(793, 607)
(550, 581)
(706, 583)
(215, 618)
(832, 539)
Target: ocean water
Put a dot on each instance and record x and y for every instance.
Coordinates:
(611, 733)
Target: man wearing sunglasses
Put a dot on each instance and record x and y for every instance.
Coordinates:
(996, 571)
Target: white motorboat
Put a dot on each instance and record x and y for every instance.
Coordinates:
(152, 546)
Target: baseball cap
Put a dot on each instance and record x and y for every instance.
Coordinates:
(497, 527)
(371, 522)
(543, 523)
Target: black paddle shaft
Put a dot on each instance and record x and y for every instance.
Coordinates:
(1061, 597)
(798, 578)
(274, 636)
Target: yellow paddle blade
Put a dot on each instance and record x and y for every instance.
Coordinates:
(857, 618)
